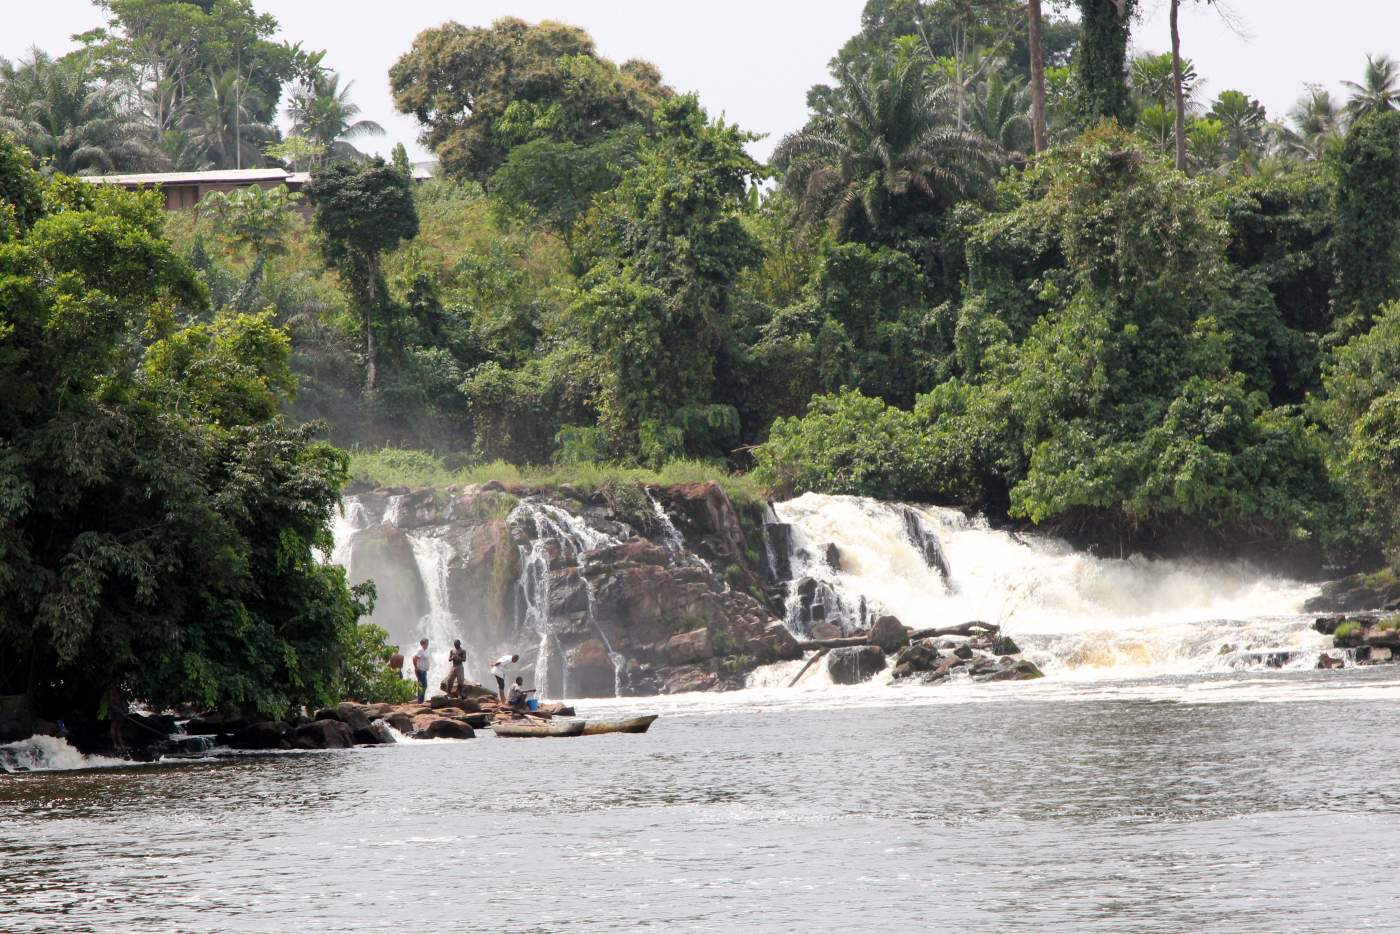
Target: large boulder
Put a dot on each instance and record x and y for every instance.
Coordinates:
(356, 716)
(688, 647)
(265, 735)
(888, 633)
(855, 664)
(916, 658)
(461, 703)
(441, 728)
(1378, 590)
(591, 670)
(18, 720)
(321, 734)
(687, 679)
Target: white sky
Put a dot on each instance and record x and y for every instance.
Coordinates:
(753, 61)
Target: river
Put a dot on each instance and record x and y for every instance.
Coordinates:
(1230, 801)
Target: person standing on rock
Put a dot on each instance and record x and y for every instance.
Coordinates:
(498, 669)
(420, 668)
(456, 657)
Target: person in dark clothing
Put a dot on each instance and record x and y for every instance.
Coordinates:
(457, 680)
(519, 697)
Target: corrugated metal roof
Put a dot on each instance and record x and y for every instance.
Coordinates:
(218, 176)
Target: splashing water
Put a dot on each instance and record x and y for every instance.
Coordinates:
(1070, 611)
(573, 537)
(49, 753)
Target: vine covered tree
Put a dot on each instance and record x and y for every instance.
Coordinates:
(360, 213)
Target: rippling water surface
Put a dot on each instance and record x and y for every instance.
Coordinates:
(1235, 802)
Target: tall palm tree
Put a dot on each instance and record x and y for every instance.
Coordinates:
(1000, 110)
(61, 112)
(220, 123)
(1033, 22)
(1317, 120)
(1152, 80)
(1379, 88)
(889, 142)
(322, 112)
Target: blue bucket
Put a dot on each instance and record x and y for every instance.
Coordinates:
(532, 704)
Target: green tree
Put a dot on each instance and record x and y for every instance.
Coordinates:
(1101, 63)
(1243, 121)
(480, 91)
(885, 155)
(322, 113)
(1367, 246)
(252, 218)
(157, 514)
(667, 246)
(63, 113)
(360, 212)
(1378, 89)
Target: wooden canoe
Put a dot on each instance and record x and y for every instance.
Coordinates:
(634, 725)
(513, 728)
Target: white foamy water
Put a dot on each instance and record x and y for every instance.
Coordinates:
(1076, 614)
(49, 754)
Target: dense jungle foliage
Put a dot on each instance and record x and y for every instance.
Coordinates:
(1041, 279)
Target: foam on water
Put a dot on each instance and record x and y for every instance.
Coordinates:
(49, 754)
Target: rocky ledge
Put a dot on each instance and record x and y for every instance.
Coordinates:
(1364, 639)
(975, 649)
(1374, 591)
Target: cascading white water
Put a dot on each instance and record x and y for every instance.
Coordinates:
(675, 541)
(573, 537)
(41, 753)
(1072, 612)
(434, 557)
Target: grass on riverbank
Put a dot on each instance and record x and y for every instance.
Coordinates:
(403, 467)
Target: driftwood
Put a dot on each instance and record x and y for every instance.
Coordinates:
(974, 628)
(810, 662)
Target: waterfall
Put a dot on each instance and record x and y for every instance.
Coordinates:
(675, 541)
(434, 557)
(547, 526)
(1068, 610)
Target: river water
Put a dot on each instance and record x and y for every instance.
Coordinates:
(1236, 801)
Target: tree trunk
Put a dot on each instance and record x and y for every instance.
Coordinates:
(371, 368)
(1177, 90)
(1037, 76)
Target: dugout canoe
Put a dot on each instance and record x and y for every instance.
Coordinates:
(526, 728)
(633, 725)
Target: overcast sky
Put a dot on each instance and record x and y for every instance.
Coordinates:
(753, 60)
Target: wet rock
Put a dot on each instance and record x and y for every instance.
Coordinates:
(591, 670)
(214, 723)
(376, 734)
(888, 633)
(441, 728)
(775, 643)
(321, 734)
(355, 716)
(1006, 669)
(18, 720)
(1327, 661)
(830, 555)
(266, 735)
(468, 704)
(401, 721)
(688, 647)
(777, 539)
(687, 679)
(963, 651)
(1367, 591)
(189, 745)
(855, 664)
(1002, 645)
(826, 630)
(921, 656)
(556, 709)
(924, 540)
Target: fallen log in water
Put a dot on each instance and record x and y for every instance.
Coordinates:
(973, 628)
(810, 662)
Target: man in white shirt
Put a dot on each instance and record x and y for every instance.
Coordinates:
(420, 668)
(498, 669)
